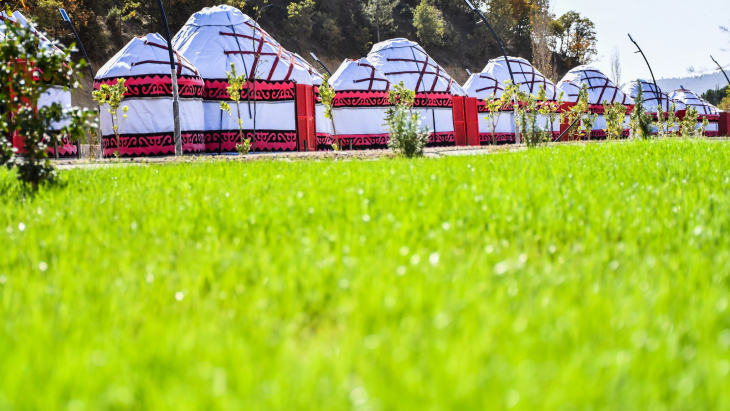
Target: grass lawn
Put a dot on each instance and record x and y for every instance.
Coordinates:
(566, 278)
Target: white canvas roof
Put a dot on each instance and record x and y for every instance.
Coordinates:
(359, 75)
(600, 87)
(483, 86)
(18, 18)
(652, 94)
(690, 99)
(527, 76)
(406, 61)
(215, 37)
(317, 77)
(145, 55)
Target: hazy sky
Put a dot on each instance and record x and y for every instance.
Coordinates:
(674, 34)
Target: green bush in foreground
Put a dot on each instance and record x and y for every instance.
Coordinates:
(562, 278)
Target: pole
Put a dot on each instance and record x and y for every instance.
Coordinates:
(506, 60)
(656, 92)
(65, 18)
(173, 76)
(721, 69)
(321, 64)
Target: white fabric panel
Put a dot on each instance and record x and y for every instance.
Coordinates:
(404, 49)
(505, 124)
(56, 94)
(527, 76)
(324, 125)
(711, 127)
(360, 120)
(483, 86)
(443, 117)
(154, 115)
(122, 64)
(270, 115)
(575, 78)
(347, 75)
(200, 42)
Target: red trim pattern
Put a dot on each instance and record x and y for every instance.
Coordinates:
(265, 90)
(436, 99)
(157, 85)
(361, 99)
(266, 140)
(152, 144)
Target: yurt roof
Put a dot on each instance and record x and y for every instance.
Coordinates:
(527, 76)
(18, 18)
(404, 60)
(145, 55)
(317, 77)
(600, 87)
(652, 94)
(690, 99)
(359, 75)
(483, 86)
(215, 37)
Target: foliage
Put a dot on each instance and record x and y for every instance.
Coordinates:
(301, 18)
(328, 31)
(542, 39)
(500, 16)
(429, 24)
(363, 40)
(666, 123)
(575, 38)
(580, 112)
(689, 126)
(494, 107)
(529, 110)
(406, 136)
(112, 97)
(715, 97)
(28, 70)
(236, 83)
(328, 95)
(380, 14)
(615, 115)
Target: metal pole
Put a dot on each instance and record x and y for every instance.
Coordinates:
(721, 69)
(173, 76)
(506, 60)
(656, 92)
(320, 63)
(65, 18)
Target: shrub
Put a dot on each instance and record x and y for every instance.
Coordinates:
(615, 115)
(112, 96)
(429, 24)
(406, 136)
(580, 112)
(640, 120)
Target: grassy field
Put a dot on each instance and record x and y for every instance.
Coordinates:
(565, 278)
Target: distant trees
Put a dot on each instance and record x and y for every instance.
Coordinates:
(429, 24)
(542, 39)
(575, 38)
(380, 14)
(300, 18)
(616, 67)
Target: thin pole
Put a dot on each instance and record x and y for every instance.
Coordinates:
(65, 17)
(721, 69)
(321, 64)
(175, 92)
(656, 91)
(506, 60)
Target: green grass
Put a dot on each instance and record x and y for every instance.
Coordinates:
(567, 278)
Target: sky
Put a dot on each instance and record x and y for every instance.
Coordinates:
(674, 34)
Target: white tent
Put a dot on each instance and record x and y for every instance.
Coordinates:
(149, 128)
(490, 83)
(653, 99)
(216, 37)
(324, 125)
(600, 89)
(360, 105)
(54, 94)
(704, 109)
(401, 60)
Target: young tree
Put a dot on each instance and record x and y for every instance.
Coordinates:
(112, 97)
(236, 84)
(615, 115)
(616, 67)
(575, 38)
(542, 39)
(429, 24)
(640, 120)
(328, 95)
(28, 69)
(380, 14)
(406, 136)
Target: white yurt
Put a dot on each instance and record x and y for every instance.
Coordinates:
(654, 98)
(704, 109)
(148, 130)
(54, 94)
(484, 86)
(401, 60)
(360, 105)
(323, 124)
(600, 89)
(216, 37)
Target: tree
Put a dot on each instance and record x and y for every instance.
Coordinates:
(363, 39)
(616, 67)
(499, 14)
(28, 70)
(301, 18)
(406, 136)
(575, 38)
(112, 97)
(236, 83)
(542, 39)
(380, 14)
(640, 120)
(429, 24)
(327, 30)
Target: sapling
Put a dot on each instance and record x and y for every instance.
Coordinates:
(549, 109)
(580, 112)
(328, 95)
(406, 136)
(689, 123)
(640, 120)
(615, 115)
(493, 107)
(672, 120)
(661, 122)
(234, 89)
(112, 96)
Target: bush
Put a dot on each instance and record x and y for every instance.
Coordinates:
(406, 136)
(640, 120)
(429, 24)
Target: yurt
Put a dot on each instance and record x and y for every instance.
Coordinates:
(653, 99)
(54, 94)
(360, 105)
(484, 86)
(148, 129)
(600, 89)
(490, 82)
(278, 104)
(704, 109)
(401, 60)
(323, 124)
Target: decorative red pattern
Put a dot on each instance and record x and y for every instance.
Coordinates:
(157, 85)
(438, 99)
(155, 144)
(266, 140)
(265, 90)
(361, 99)
(506, 138)
(712, 134)
(66, 149)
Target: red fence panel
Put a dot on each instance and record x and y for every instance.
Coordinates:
(459, 121)
(306, 129)
(471, 115)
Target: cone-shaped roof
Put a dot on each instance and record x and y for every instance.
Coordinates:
(600, 87)
(359, 75)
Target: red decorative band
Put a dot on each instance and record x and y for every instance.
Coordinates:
(712, 134)
(506, 138)
(66, 148)
(438, 99)
(361, 99)
(266, 140)
(712, 118)
(601, 134)
(157, 85)
(153, 144)
(265, 90)
(362, 141)
(599, 109)
(442, 139)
